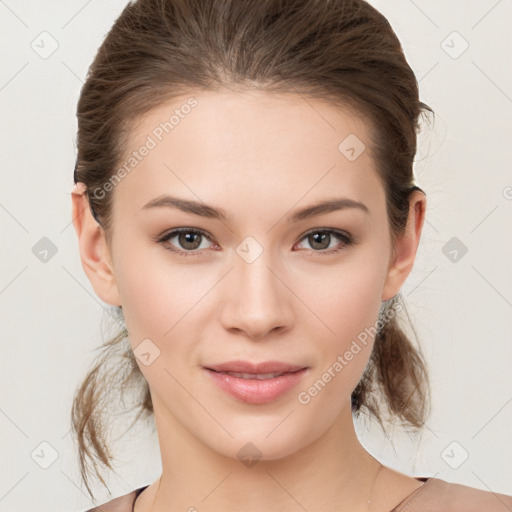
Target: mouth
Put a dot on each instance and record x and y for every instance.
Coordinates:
(258, 376)
(256, 383)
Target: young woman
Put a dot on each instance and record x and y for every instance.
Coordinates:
(245, 196)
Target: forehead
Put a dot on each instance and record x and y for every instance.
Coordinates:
(253, 143)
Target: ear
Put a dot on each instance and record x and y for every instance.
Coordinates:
(94, 250)
(406, 246)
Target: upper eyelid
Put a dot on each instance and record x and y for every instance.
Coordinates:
(176, 231)
(186, 230)
(344, 236)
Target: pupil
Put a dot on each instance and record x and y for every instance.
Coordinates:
(187, 240)
(318, 239)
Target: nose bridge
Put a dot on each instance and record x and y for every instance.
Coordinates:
(259, 303)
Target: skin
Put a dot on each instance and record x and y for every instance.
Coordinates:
(259, 157)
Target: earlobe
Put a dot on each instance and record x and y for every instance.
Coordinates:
(406, 246)
(94, 251)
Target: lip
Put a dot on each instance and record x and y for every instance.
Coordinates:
(257, 390)
(248, 367)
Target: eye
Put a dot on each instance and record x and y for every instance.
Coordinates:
(188, 241)
(321, 240)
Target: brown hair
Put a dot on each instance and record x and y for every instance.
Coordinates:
(343, 51)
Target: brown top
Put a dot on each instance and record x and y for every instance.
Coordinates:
(435, 495)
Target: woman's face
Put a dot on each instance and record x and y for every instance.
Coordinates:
(260, 275)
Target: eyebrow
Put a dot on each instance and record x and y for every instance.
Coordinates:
(188, 206)
(330, 205)
(204, 210)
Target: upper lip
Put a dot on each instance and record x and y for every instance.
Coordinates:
(255, 368)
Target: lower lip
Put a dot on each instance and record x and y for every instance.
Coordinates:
(254, 391)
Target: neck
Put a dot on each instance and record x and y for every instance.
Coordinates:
(334, 472)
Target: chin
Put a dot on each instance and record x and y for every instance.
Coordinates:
(252, 444)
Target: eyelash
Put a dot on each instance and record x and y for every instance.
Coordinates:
(345, 238)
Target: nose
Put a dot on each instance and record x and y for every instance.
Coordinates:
(259, 301)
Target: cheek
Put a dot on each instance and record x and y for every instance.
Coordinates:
(147, 309)
(347, 299)
(167, 305)
(348, 303)
(155, 295)
(343, 356)
(157, 307)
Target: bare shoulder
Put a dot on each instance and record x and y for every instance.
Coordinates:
(436, 494)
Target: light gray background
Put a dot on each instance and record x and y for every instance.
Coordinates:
(51, 318)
